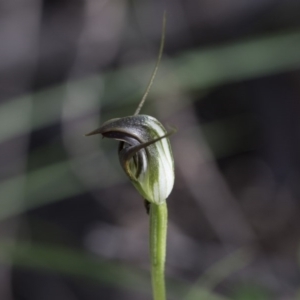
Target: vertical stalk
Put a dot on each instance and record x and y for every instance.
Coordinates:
(158, 241)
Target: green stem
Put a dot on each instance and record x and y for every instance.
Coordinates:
(158, 241)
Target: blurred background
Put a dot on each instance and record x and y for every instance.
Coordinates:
(71, 224)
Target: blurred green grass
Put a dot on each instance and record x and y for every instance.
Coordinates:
(74, 263)
(192, 70)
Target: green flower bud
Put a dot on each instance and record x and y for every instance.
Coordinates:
(145, 154)
(144, 151)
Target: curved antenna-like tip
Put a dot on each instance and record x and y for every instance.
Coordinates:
(97, 131)
(161, 48)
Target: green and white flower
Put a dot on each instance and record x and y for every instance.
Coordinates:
(145, 154)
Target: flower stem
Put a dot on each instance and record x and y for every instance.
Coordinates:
(158, 240)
